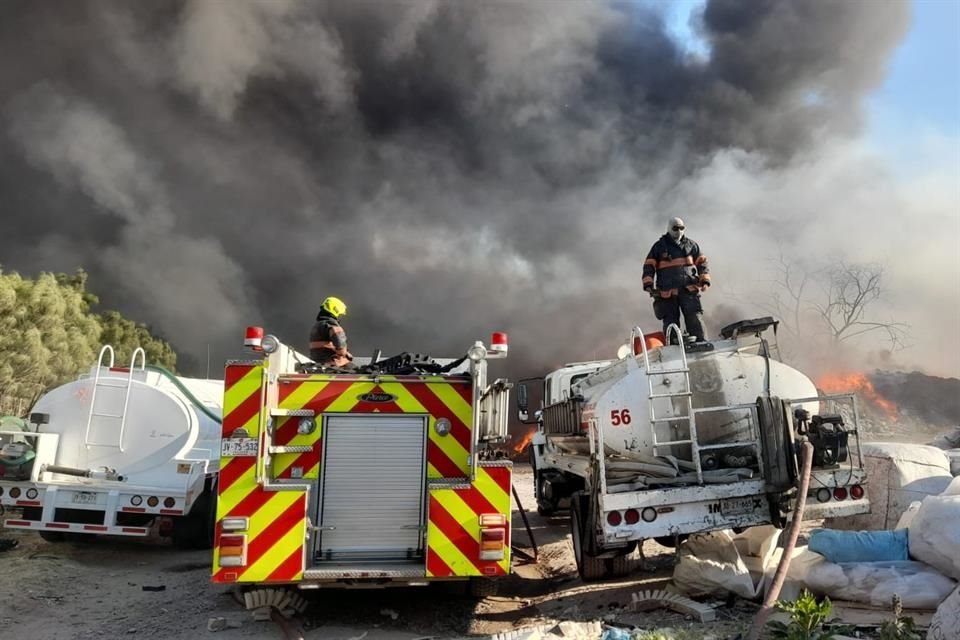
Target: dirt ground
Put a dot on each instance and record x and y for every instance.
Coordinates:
(101, 588)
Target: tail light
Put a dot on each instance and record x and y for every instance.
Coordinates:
(856, 492)
(840, 493)
(153, 501)
(233, 550)
(823, 495)
(649, 514)
(15, 492)
(493, 536)
(614, 518)
(169, 502)
(632, 516)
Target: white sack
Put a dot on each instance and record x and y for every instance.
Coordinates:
(953, 489)
(954, 455)
(874, 583)
(945, 624)
(897, 475)
(716, 563)
(935, 534)
(908, 515)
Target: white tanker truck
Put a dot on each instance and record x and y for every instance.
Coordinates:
(671, 440)
(113, 453)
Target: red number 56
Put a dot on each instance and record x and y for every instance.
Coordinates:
(620, 417)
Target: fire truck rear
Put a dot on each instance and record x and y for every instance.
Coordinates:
(380, 476)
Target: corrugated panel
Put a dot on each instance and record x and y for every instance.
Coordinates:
(373, 476)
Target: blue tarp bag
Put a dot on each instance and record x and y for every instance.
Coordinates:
(860, 546)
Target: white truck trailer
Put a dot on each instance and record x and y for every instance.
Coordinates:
(115, 452)
(669, 440)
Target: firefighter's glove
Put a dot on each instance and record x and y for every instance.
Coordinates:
(704, 285)
(652, 292)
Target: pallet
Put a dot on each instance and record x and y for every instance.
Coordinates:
(660, 599)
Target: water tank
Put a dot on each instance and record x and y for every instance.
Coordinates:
(138, 424)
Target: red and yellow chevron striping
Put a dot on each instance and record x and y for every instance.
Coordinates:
(436, 396)
(453, 531)
(275, 534)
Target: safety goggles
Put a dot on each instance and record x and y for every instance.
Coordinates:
(677, 228)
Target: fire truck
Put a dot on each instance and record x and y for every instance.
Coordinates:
(673, 438)
(381, 475)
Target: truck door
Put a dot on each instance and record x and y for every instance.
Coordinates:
(372, 493)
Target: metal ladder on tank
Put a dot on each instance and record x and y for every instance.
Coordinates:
(112, 384)
(686, 394)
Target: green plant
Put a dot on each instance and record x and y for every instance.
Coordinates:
(899, 628)
(807, 617)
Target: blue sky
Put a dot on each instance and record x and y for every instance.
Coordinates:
(921, 93)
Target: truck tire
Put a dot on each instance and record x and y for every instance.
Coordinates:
(589, 567)
(545, 509)
(620, 566)
(483, 587)
(195, 530)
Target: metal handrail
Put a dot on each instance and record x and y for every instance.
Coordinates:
(126, 399)
(93, 397)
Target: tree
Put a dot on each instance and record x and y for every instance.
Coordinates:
(126, 335)
(47, 334)
(851, 289)
(837, 299)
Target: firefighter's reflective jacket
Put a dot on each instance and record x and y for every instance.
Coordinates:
(670, 267)
(328, 341)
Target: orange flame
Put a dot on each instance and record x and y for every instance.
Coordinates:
(856, 383)
(524, 441)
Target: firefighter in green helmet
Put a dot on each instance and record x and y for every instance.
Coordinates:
(328, 340)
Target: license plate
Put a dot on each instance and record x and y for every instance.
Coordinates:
(238, 447)
(740, 506)
(84, 497)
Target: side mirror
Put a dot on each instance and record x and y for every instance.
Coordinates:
(523, 400)
(525, 389)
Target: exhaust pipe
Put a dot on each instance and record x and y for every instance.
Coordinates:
(95, 474)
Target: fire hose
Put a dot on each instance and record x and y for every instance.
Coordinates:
(806, 450)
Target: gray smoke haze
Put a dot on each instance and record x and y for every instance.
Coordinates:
(448, 168)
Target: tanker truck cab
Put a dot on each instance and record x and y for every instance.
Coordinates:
(115, 452)
(668, 441)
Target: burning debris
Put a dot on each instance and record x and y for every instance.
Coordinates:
(860, 384)
(909, 405)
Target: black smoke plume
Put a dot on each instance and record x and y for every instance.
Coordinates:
(447, 168)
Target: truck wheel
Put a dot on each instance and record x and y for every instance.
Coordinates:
(620, 566)
(589, 567)
(195, 530)
(544, 509)
(483, 587)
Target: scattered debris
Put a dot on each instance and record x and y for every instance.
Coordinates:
(7, 543)
(221, 623)
(650, 600)
(567, 629)
(389, 612)
(159, 587)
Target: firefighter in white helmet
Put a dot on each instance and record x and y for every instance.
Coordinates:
(674, 274)
(328, 340)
